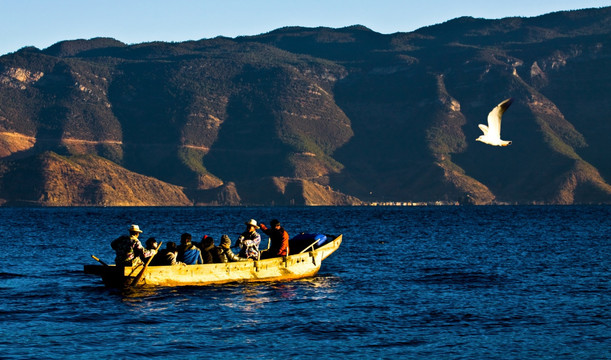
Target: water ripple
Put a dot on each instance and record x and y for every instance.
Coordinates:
(437, 282)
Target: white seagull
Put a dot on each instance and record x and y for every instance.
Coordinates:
(492, 132)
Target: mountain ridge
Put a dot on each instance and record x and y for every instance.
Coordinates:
(316, 116)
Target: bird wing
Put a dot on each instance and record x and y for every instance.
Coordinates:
(494, 117)
(483, 128)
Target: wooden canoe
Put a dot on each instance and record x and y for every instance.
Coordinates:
(297, 266)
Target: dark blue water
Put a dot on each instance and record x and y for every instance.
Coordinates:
(424, 283)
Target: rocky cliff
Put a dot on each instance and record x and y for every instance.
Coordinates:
(83, 180)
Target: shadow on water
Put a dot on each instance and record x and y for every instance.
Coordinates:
(461, 278)
(4, 276)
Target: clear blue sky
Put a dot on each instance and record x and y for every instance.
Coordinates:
(42, 23)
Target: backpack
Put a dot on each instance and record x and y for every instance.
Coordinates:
(116, 243)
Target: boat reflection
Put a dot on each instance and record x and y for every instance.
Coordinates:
(246, 298)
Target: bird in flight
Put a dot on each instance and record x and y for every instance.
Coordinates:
(492, 132)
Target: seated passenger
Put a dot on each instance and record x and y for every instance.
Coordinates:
(187, 252)
(151, 243)
(279, 240)
(224, 251)
(208, 250)
(249, 241)
(167, 256)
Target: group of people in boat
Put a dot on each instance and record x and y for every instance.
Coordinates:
(130, 251)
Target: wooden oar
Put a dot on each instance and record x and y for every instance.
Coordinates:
(311, 245)
(100, 261)
(145, 266)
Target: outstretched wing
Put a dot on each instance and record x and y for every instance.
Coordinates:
(483, 128)
(494, 117)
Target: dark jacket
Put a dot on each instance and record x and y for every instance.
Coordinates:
(129, 251)
(226, 255)
(165, 257)
(208, 250)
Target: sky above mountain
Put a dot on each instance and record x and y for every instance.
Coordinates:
(41, 23)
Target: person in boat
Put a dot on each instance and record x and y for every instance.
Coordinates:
(209, 253)
(279, 239)
(249, 241)
(224, 252)
(167, 256)
(151, 244)
(128, 249)
(187, 252)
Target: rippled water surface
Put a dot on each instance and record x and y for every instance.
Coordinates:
(423, 282)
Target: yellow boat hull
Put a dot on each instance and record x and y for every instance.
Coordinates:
(286, 268)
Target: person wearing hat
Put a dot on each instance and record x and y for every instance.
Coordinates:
(128, 249)
(279, 239)
(249, 241)
(224, 253)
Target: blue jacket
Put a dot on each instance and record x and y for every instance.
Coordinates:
(190, 256)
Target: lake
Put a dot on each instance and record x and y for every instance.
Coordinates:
(445, 282)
